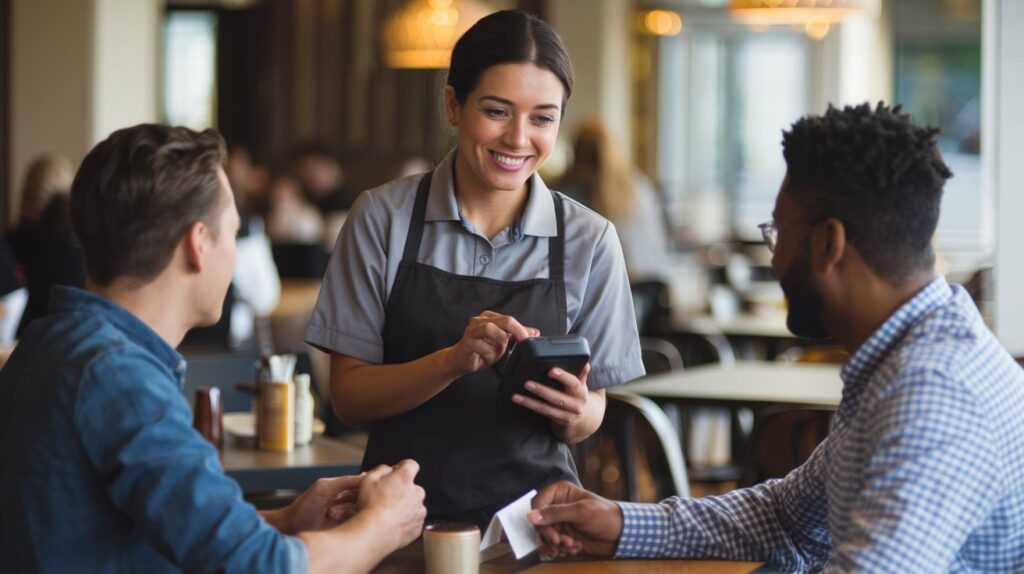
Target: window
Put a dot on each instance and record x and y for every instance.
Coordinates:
(189, 70)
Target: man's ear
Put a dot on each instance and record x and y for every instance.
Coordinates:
(194, 242)
(832, 244)
(451, 106)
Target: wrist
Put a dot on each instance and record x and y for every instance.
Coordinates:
(378, 532)
(448, 360)
(280, 519)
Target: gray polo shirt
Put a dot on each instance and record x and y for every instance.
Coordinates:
(349, 314)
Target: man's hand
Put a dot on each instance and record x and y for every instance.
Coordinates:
(393, 503)
(330, 501)
(573, 521)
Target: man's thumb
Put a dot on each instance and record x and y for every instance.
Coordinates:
(554, 514)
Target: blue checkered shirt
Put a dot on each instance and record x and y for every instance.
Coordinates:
(923, 470)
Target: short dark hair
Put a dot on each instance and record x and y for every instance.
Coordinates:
(879, 174)
(138, 191)
(507, 37)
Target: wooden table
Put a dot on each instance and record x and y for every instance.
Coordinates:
(499, 560)
(771, 326)
(265, 471)
(748, 383)
(298, 297)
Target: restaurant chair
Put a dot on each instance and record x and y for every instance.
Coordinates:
(635, 455)
(783, 439)
(659, 355)
(651, 305)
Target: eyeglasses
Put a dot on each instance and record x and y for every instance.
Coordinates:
(770, 231)
(770, 234)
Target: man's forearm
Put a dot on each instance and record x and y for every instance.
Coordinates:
(355, 546)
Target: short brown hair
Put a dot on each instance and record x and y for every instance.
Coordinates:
(138, 191)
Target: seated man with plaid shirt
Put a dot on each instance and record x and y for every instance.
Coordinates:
(923, 470)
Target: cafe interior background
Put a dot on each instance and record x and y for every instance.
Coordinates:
(694, 92)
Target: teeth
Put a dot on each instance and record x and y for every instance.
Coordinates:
(509, 161)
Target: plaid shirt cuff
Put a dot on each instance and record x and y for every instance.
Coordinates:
(646, 531)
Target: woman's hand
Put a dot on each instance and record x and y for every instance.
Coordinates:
(564, 407)
(485, 340)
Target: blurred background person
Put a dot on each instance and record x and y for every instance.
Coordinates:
(13, 297)
(290, 217)
(44, 245)
(249, 181)
(256, 285)
(413, 165)
(322, 179)
(602, 178)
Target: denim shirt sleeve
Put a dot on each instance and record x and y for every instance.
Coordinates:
(135, 427)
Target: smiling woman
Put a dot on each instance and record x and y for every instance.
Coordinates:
(433, 276)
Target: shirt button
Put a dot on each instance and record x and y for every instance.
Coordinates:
(484, 260)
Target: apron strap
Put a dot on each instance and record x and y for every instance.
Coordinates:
(412, 240)
(556, 258)
(556, 244)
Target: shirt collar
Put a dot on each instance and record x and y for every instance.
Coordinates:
(538, 218)
(865, 359)
(71, 299)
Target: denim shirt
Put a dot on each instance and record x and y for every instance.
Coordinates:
(100, 469)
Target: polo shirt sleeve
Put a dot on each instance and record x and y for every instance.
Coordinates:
(349, 313)
(606, 317)
(135, 428)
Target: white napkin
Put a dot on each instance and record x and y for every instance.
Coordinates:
(511, 520)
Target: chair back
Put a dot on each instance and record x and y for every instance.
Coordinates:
(651, 305)
(636, 454)
(659, 355)
(783, 438)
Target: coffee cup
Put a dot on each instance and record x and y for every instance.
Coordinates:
(451, 548)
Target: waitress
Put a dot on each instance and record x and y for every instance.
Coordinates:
(433, 275)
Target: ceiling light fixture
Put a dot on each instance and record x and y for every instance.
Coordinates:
(421, 34)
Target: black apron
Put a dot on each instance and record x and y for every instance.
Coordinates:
(476, 454)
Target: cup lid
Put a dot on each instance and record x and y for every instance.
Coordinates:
(446, 528)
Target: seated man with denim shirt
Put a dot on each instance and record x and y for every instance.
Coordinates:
(100, 468)
(923, 470)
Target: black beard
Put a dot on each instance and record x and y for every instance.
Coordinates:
(804, 301)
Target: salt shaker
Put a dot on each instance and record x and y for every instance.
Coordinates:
(303, 410)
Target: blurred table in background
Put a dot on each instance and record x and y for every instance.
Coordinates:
(724, 448)
(298, 296)
(771, 325)
(258, 471)
(761, 335)
(748, 383)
